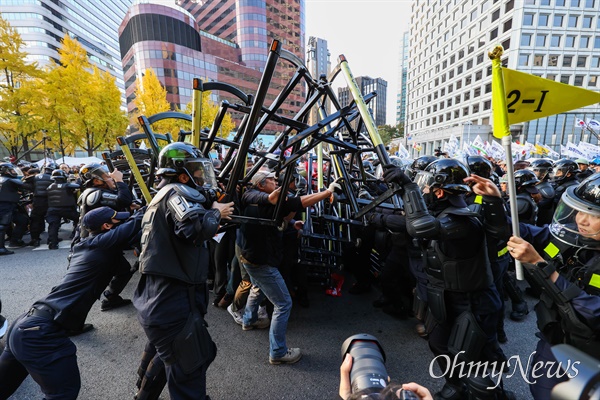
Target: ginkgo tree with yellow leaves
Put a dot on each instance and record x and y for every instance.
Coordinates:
(83, 102)
(19, 120)
(151, 99)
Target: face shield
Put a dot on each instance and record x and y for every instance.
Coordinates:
(541, 172)
(202, 172)
(575, 222)
(426, 181)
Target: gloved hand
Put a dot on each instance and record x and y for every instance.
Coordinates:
(334, 185)
(363, 193)
(394, 174)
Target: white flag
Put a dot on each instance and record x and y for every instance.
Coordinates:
(402, 152)
(573, 151)
(593, 124)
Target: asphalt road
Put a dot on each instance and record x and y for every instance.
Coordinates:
(108, 356)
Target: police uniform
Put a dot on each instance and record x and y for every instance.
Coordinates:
(37, 342)
(62, 203)
(9, 197)
(172, 294)
(546, 204)
(38, 184)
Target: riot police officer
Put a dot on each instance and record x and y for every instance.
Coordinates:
(107, 189)
(172, 294)
(563, 260)
(565, 175)
(10, 184)
(38, 185)
(62, 203)
(527, 192)
(542, 168)
(462, 297)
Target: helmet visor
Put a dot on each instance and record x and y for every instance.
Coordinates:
(425, 180)
(202, 171)
(99, 172)
(575, 222)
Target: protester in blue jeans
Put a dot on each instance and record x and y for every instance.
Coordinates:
(260, 248)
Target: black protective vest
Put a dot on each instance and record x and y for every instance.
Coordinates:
(465, 275)
(527, 209)
(61, 195)
(8, 189)
(162, 252)
(40, 185)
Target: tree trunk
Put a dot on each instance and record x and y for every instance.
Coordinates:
(25, 148)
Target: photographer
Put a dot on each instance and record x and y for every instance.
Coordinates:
(390, 392)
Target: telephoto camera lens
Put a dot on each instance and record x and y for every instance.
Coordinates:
(368, 374)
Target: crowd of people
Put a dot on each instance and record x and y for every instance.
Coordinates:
(447, 257)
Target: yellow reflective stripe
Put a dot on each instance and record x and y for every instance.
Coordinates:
(502, 252)
(551, 250)
(478, 199)
(595, 281)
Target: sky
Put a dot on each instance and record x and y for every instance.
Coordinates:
(368, 33)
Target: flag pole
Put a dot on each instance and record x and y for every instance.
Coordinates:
(502, 131)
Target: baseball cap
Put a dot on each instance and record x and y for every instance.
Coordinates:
(261, 176)
(582, 161)
(94, 219)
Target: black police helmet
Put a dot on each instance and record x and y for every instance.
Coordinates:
(541, 167)
(589, 191)
(445, 173)
(183, 158)
(480, 166)
(9, 170)
(563, 167)
(93, 171)
(58, 175)
(525, 178)
(49, 167)
(419, 164)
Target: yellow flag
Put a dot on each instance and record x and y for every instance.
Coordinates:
(530, 97)
(499, 109)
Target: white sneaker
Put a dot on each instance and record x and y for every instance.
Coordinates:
(293, 355)
(262, 312)
(238, 316)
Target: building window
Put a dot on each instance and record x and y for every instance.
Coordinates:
(494, 34)
(467, 96)
(581, 61)
(506, 44)
(495, 15)
(590, 3)
(573, 21)
(584, 42)
(457, 99)
(459, 70)
(469, 64)
(528, 20)
(553, 60)
(458, 84)
(555, 41)
(509, 5)
(570, 41)
(477, 92)
(595, 62)
(465, 111)
(565, 79)
(578, 80)
(507, 25)
(543, 20)
(475, 108)
(567, 61)
(487, 105)
(478, 75)
(544, 2)
(488, 88)
(558, 20)
(468, 80)
(523, 60)
(538, 60)
(551, 77)
(593, 80)
(574, 3)
(540, 40)
(560, 3)
(449, 102)
(597, 42)
(586, 22)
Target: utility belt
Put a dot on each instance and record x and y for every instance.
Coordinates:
(42, 311)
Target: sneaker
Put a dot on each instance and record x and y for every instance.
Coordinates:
(114, 302)
(293, 355)
(261, 323)
(238, 316)
(262, 312)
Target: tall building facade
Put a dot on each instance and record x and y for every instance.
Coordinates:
(449, 74)
(367, 85)
(230, 45)
(318, 61)
(43, 23)
(402, 84)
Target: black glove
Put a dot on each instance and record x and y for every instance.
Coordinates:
(394, 174)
